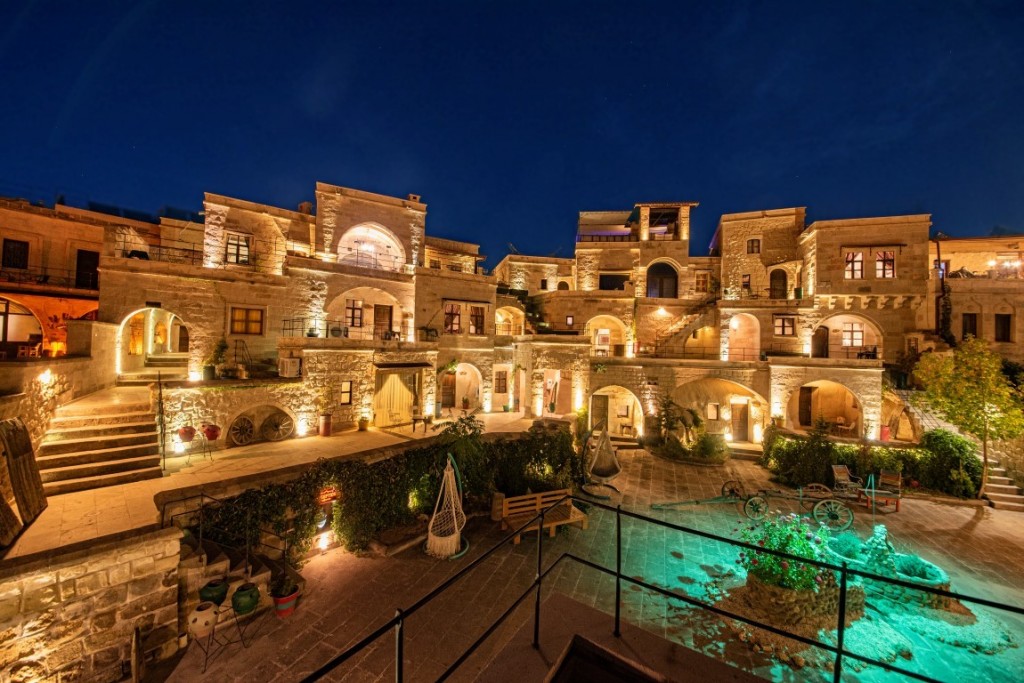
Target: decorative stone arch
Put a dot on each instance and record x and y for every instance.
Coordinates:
(464, 385)
(803, 409)
(662, 280)
(742, 338)
(371, 245)
(14, 337)
(609, 336)
(618, 408)
(509, 320)
(564, 285)
(337, 313)
(259, 414)
(727, 407)
(135, 337)
(832, 344)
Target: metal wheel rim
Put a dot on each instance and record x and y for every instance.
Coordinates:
(755, 508)
(242, 431)
(834, 514)
(277, 427)
(733, 489)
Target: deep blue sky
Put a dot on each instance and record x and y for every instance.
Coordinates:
(509, 117)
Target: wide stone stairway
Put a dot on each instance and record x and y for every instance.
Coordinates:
(109, 437)
(165, 366)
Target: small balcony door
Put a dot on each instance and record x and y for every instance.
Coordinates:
(382, 321)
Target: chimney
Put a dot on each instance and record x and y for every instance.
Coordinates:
(306, 208)
(413, 198)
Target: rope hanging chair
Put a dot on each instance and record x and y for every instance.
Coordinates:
(603, 467)
(444, 538)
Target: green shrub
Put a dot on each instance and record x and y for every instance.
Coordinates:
(846, 544)
(710, 448)
(672, 448)
(946, 453)
(789, 534)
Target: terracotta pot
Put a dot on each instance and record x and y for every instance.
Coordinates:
(246, 598)
(202, 620)
(284, 606)
(325, 425)
(212, 432)
(186, 434)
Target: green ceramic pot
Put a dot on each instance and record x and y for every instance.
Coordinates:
(214, 591)
(246, 598)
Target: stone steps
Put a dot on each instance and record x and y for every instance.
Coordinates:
(94, 482)
(104, 439)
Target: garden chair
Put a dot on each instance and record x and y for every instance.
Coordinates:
(845, 483)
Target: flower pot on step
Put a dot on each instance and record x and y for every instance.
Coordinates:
(215, 591)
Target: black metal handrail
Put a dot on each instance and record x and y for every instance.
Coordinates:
(52, 278)
(398, 621)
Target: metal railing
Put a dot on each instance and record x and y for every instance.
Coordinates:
(152, 247)
(336, 328)
(53, 278)
(397, 623)
(608, 238)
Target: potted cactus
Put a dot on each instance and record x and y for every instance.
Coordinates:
(285, 594)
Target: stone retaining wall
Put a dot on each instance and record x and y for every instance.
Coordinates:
(71, 616)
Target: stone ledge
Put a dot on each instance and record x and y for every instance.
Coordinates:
(52, 558)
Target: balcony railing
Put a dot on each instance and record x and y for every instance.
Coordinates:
(333, 328)
(53, 278)
(608, 238)
(507, 329)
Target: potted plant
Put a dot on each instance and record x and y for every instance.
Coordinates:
(216, 359)
(285, 594)
(325, 407)
(465, 402)
(186, 434)
(364, 423)
(211, 431)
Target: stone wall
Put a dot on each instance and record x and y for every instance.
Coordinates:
(777, 234)
(71, 616)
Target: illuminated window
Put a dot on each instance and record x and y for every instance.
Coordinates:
(569, 320)
(713, 411)
(501, 382)
(703, 283)
(785, 326)
(346, 393)
(354, 312)
(452, 319)
(476, 320)
(854, 266)
(237, 249)
(885, 265)
(753, 246)
(246, 320)
(853, 334)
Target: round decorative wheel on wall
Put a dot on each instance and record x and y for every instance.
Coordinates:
(277, 427)
(242, 431)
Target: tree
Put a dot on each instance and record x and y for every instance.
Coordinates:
(969, 389)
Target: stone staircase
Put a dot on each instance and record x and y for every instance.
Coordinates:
(170, 367)
(673, 337)
(1001, 491)
(94, 442)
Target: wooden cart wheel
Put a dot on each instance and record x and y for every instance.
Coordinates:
(242, 431)
(755, 508)
(834, 514)
(812, 494)
(733, 489)
(277, 427)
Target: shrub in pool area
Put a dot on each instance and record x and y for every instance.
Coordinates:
(710, 448)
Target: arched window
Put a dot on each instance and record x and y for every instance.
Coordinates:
(662, 281)
(563, 286)
(754, 246)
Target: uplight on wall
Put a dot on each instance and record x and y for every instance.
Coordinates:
(194, 376)
(301, 427)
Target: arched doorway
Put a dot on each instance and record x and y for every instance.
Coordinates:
(461, 389)
(21, 334)
(363, 313)
(727, 408)
(151, 338)
(744, 337)
(607, 336)
(508, 320)
(563, 286)
(371, 245)
(846, 335)
(662, 281)
(618, 410)
(777, 283)
(828, 401)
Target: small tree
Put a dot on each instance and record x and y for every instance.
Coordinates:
(969, 389)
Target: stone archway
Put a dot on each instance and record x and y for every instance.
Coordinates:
(778, 284)
(826, 400)
(608, 336)
(509, 320)
(847, 335)
(662, 281)
(727, 408)
(618, 409)
(744, 337)
(364, 313)
(371, 245)
(149, 332)
(21, 332)
(461, 389)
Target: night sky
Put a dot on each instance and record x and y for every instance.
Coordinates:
(510, 117)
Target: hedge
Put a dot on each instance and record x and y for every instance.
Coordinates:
(943, 461)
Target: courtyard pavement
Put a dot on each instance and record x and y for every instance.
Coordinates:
(347, 596)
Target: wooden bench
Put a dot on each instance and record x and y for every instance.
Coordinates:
(888, 491)
(517, 510)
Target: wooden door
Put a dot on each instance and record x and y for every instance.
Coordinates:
(599, 412)
(448, 390)
(740, 424)
(778, 286)
(806, 415)
(23, 469)
(182, 339)
(819, 343)
(381, 321)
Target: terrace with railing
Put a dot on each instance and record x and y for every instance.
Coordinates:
(50, 278)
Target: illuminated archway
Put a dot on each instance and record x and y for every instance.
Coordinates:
(363, 313)
(371, 245)
(509, 320)
(846, 335)
(461, 389)
(662, 281)
(21, 332)
(618, 410)
(726, 407)
(744, 337)
(608, 336)
(149, 331)
(829, 401)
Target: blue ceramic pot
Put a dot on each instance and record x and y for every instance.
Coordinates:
(246, 598)
(214, 591)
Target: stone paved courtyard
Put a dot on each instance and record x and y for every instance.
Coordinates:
(347, 596)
